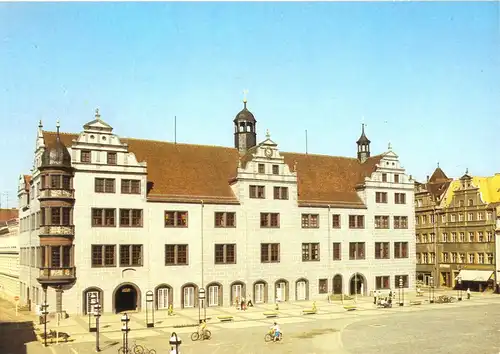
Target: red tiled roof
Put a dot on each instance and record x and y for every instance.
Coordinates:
(190, 173)
(8, 214)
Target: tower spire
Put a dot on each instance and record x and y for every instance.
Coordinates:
(58, 125)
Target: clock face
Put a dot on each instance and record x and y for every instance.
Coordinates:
(269, 152)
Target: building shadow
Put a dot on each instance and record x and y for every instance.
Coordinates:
(14, 336)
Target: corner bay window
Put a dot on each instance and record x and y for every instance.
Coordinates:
(269, 252)
(356, 221)
(131, 217)
(269, 220)
(130, 255)
(310, 221)
(356, 250)
(225, 254)
(103, 255)
(56, 216)
(400, 249)
(176, 254)
(225, 219)
(176, 218)
(310, 252)
(59, 257)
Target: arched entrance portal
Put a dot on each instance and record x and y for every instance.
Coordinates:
(126, 298)
(337, 284)
(357, 284)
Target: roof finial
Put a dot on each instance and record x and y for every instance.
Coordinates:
(438, 164)
(40, 125)
(389, 147)
(467, 171)
(245, 93)
(58, 125)
(268, 135)
(97, 115)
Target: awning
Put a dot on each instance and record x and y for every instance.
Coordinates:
(475, 275)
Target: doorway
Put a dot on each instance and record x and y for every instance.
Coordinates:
(126, 298)
(337, 284)
(301, 290)
(259, 295)
(357, 284)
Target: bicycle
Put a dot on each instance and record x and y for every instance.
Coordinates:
(270, 336)
(196, 335)
(136, 349)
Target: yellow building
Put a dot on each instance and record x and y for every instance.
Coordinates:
(456, 221)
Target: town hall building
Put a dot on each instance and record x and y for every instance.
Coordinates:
(117, 217)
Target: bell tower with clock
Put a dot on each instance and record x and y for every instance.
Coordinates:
(245, 136)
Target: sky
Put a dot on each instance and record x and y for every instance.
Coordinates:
(422, 76)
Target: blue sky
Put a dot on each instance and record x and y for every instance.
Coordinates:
(424, 75)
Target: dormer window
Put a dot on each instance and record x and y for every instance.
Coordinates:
(111, 158)
(471, 202)
(276, 170)
(396, 178)
(384, 177)
(85, 156)
(262, 168)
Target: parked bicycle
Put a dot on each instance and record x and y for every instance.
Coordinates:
(136, 349)
(197, 336)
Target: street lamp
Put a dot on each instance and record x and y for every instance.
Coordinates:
(431, 290)
(97, 314)
(45, 313)
(125, 329)
(150, 300)
(93, 302)
(459, 290)
(401, 292)
(175, 340)
(201, 296)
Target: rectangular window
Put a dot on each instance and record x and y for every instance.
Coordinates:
(336, 221)
(103, 255)
(257, 192)
(310, 252)
(276, 170)
(176, 254)
(382, 250)
(225, 219)
(490, 258)
(269, 220)
(323, 286)
(401, 281)
(471, 237)
(356, 250)
(382, 283)
(131, 186)
(111, 158)
(384, 177)
(225, 254)
(55, 216)
(104, 185)
(396, 178)
(66, 216)
(85, 156)
(130, 217)
(337, 251)
(262, 168)
(381, 197)
(399, 198)
(55, 253)
(400, 249)
(55, 181)
(356, 221)
(176, 218)
(103, 217)
(310, 221)
(130, 255)
(281, 193)
(269, 252)
(66, 182)
(381, 222)
(400, 222)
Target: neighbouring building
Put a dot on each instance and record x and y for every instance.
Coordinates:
(118, 217)
(9, 254)
(455, 230)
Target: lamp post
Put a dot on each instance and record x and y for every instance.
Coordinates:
(97, 314)
(93, 302)
(401, 292)
(150, 300)
(431, 290)
(175, 341)
(459, 290)
(201, 296)
(125, 329)
(44, 313)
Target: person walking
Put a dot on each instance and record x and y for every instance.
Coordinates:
(468, 293)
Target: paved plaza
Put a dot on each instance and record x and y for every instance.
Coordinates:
(461, 327)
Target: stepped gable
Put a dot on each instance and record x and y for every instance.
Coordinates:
(190, 173)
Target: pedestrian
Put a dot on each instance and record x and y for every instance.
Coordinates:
(468, 293)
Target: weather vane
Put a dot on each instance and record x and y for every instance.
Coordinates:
(245, 93)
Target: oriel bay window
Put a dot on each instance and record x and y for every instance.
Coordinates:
(356, 250)
(130, 255)
(225, 219)
(400, 249)
(56, 257)
(269, 252)
(382, 250)
(103, 217)
(269, 220)
(103, 255)
(131, 217)
(310, 221)
(56, 216)
(176, 218)
(225, 254)
(310, 252)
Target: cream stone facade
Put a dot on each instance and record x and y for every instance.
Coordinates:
(299, 272)
(9, 259)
